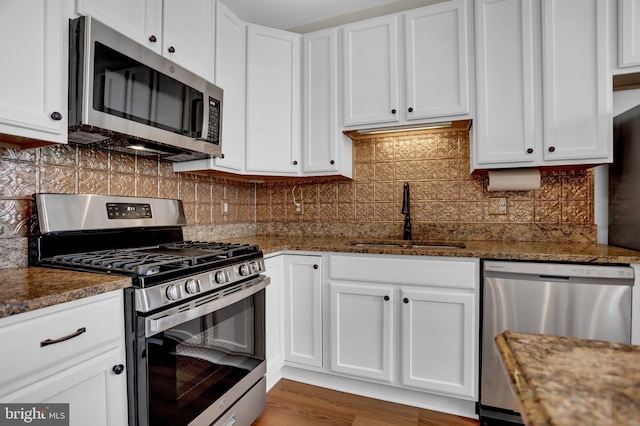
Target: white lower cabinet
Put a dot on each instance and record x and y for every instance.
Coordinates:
(362, 322)
(438, 341)
(274, 313)
(69, 353)
(303, 309)
(407, 321)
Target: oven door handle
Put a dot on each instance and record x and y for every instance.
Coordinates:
(163, 323)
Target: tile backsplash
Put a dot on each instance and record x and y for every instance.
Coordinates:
(78, 170)
(442, 189)
(446, 201)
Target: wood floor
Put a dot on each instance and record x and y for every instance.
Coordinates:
(292, 403)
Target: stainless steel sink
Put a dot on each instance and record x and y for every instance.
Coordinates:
(410, 244)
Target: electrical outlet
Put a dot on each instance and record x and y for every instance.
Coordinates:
(498, 206)
(225, 207)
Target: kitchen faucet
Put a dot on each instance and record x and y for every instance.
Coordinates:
(406, 211)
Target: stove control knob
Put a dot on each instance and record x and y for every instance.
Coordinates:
(192, 286)
(244, 270)
(172, 292)
(221, 277)
(255, 267)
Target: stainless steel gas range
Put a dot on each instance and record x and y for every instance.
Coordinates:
(195, 314)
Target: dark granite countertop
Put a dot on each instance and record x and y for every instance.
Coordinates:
(563, 381)
(26, 289)
(530, 251)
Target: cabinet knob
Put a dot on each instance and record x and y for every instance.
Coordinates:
(405, 300)
(152, 38)
(118, 369)
(393, 111)
(410, 109)
(295, 162)
(332, 162)
(386, 298)
(552, 148)
(55, 115)
(315, 266)
(530, 151)
(171, 49)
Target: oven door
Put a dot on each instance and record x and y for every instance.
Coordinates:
(200, 360)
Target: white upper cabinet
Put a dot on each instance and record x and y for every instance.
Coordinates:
(325, 149)
(180, 30)
(188, 31)
(140, 20)
(230, 62)
(508, 128)
(576, 82)
(371, 71)
(33, 77)
(437, 61)
(431, 79)
(628, 33)
(273, 101)
(543, 83)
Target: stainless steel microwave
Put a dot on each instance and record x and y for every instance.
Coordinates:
(121, 94)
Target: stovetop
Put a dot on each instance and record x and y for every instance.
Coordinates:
(137, 237)
(159, 259)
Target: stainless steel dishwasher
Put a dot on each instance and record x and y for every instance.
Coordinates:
(584, 301)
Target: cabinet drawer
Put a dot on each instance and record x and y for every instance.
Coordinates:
(415, 270)
(26, 351)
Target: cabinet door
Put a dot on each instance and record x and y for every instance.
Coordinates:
(628, 33)
(273, 101)
(320, 103)
(188, 28)
(140, 20)
(230, 75)
(303, 310)
(362, 322)
(274, 301)
(437, 60)
(33, 74)
(507, 83)
(371, 71)
(95, 393)
(439, 342)
(576, 81)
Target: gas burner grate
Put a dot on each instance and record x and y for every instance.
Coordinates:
(224, 250)
(136, 262)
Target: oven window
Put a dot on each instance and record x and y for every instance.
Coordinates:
(193, 364)
(129, 89)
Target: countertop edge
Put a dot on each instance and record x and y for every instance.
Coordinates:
(532, 413)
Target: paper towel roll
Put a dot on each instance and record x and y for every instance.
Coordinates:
(514, 180)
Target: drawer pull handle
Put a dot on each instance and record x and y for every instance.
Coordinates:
(62, 339)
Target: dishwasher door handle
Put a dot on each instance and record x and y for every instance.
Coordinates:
(557, 278)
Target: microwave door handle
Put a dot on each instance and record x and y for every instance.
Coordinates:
(196, 111)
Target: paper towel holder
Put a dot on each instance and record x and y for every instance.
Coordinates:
(526, 179)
